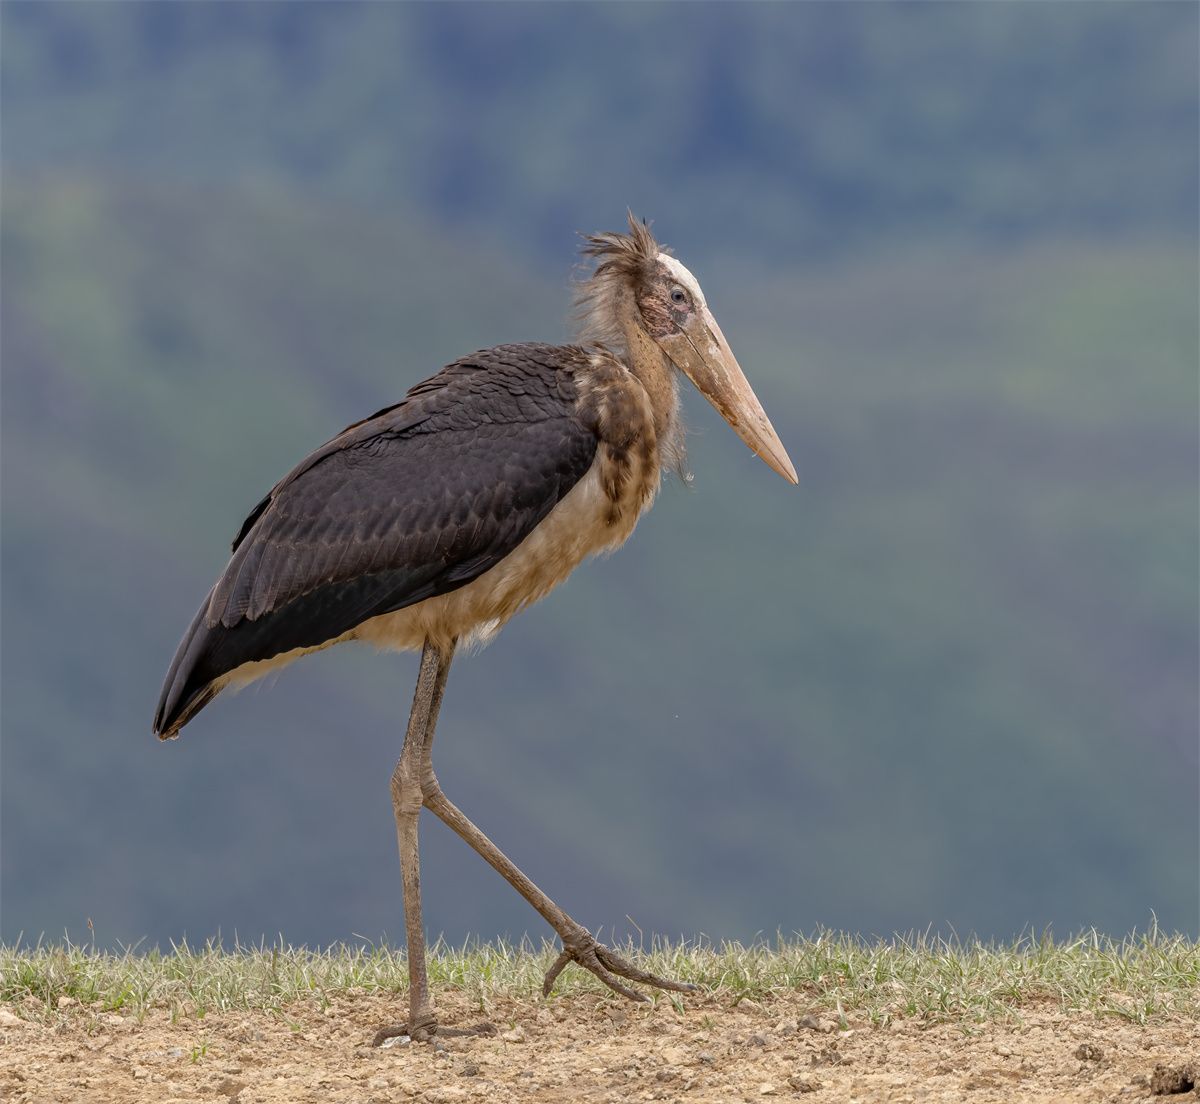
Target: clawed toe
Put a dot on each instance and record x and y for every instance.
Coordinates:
(426, 1032)
(390, 1031)
(609, 967)
(484, 1028)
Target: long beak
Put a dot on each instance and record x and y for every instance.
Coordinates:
(704, 356)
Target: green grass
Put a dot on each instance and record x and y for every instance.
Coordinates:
(1136, 978)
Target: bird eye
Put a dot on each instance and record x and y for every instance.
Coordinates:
(678, 296)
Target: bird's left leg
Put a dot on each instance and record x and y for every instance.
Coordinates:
(407, 800)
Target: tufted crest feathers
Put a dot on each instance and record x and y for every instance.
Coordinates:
(621, 260)
(622, 254)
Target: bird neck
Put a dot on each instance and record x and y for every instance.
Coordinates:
(657, 375)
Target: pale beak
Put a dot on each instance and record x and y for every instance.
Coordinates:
(703, 355)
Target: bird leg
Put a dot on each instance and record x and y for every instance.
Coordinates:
(407, 799)
(414, 784)
(578, 944)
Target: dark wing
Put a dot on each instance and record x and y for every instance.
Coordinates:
(413, 502)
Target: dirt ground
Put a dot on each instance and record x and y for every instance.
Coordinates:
(584, 1048)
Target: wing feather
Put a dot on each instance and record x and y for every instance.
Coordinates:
(416, 501)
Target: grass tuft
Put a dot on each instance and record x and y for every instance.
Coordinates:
(918, 975)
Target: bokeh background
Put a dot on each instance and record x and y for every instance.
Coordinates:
(950, 680)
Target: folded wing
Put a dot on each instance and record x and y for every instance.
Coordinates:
(416, 501)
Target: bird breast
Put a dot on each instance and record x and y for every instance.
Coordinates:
(596, 516)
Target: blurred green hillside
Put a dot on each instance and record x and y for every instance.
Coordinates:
(965, 630)
(949, 680)
(772, 132)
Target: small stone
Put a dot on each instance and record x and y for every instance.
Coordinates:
(140, 1073)
(1004, 1051)
(9, 1019)
(674, 1056)
(828, 1056)
(767, 1089)
(395, 1041)
(65, 1002)
(1169, 1080)
(229, 1087)
(1089, 1052)
(516, 1035)
(801, 1085)
(445, 1094)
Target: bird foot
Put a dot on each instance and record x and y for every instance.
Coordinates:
(427, 1032)
(608, 966)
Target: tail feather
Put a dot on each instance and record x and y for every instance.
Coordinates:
(212, 654)
(187, 688)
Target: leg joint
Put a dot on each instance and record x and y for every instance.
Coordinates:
(406, 788)
(431, 789)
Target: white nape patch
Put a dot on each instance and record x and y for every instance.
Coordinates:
(684, 277)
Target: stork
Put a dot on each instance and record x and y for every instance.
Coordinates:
(431, 523)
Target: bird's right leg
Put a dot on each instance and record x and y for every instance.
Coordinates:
(578, 943)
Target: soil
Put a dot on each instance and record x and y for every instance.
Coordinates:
(587, 1048)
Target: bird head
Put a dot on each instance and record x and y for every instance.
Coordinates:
(637, 283)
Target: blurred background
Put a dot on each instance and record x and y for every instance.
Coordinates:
(950, 680)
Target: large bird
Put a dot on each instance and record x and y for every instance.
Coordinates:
(431, 523)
